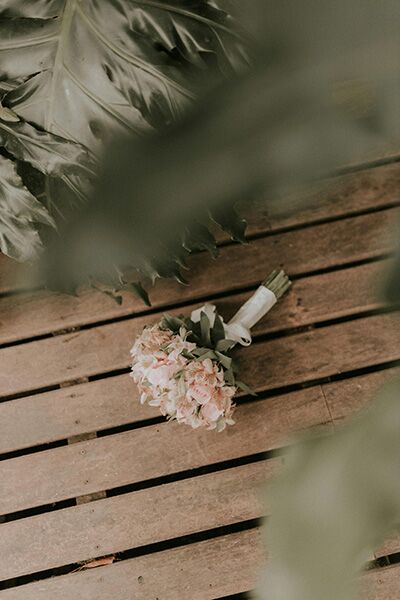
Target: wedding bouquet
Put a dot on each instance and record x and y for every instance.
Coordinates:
(183, 365)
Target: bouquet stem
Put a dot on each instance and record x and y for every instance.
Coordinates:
(263, 299)
(278, 282)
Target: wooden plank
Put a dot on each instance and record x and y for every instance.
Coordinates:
(345, 195)
(314, 248)
(87, 353)
(64, 413)
(167, 448)
(348, 396)
(381, 584)
(322, 352)
(311, 299)
(59, 473)
(133, 520)
(203, 571)
(390, 546)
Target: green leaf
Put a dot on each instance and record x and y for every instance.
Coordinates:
(171, 322)
(137, 77)
(224, 345)
(229, 377)
(137, 288)
(205, 329)
(245, 388)
(217, 331)
(207, 354)
(231, 222)
(77, 73)
(225, 361)
(20, 215)
(198, 237)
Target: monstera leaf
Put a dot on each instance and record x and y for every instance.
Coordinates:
(21, 215)
(76, 73)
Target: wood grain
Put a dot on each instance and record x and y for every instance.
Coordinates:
(348, 396)
(314, 248)
(154, 451)
(300, 357)
(133, 520)
(205, 570)
(112, 402)
(345, 195)
(65, 413)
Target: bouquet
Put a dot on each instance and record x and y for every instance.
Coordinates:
(183, 365)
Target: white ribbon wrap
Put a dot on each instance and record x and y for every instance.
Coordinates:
(238, 328)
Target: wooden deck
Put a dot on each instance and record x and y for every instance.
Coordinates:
(86, 472)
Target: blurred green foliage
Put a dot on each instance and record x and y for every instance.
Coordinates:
(76, 74)
(335, 502)
(323, 90)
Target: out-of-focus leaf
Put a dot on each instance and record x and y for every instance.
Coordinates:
(198, 237)
(230, 221)
(272, 132)
(20, 215)
(138, 289)
(78, 73)
(336, 501)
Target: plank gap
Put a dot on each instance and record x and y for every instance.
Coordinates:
(157, 420)
(149, 312)
(86, 498)
(139, 551)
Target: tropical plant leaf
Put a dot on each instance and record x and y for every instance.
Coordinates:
(230, 221)
(129, 78)
(21, 215)
(48, 153)
(198, 237)
(78, 73)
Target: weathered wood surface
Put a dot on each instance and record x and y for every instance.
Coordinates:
(133, 520)
(209, 569)
(205, 570)
(349, 194)
(301, 251)
(112, 402)
(332, 336)
(155, 451)
(336, 348)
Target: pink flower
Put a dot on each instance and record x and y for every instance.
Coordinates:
(188, 390)
(211, 412)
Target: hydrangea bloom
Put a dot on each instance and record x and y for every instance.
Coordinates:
(184, 365)
(192, 391)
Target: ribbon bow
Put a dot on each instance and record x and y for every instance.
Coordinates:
(238, 328)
